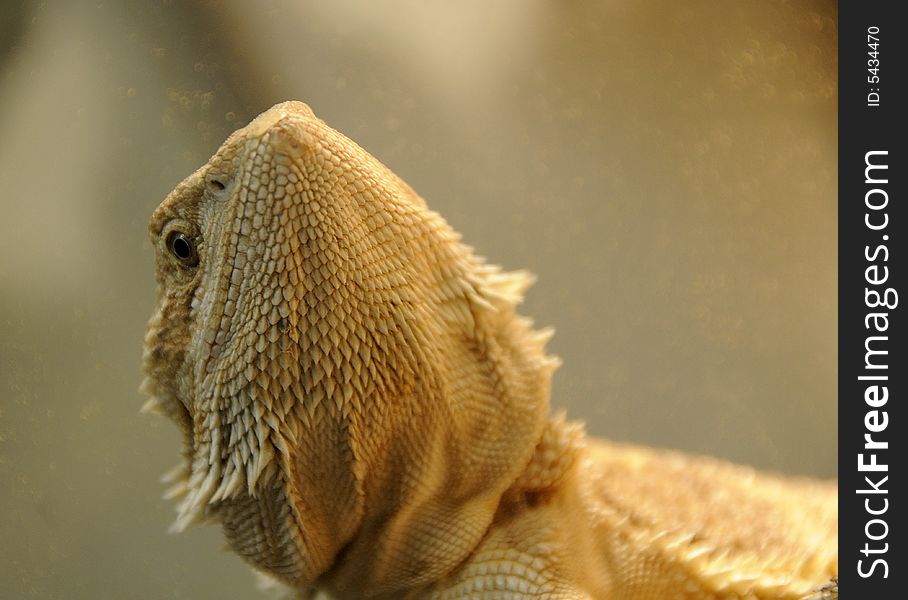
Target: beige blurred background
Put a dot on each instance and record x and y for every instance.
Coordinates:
(667, 168)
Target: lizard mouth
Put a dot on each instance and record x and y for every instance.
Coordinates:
(165, 404)
(178, 479)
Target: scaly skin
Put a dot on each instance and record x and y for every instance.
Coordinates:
(365, 413)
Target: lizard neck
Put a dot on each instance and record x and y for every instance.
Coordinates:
(396, 550)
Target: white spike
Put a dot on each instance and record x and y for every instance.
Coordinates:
(185, 520)
(146, 388)
(478, 299)
(262, 458)
(153, 406)
(204, 493)
(178, 490)
(177, 473)
(230, 482)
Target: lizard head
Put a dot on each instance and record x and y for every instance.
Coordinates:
(347, 374)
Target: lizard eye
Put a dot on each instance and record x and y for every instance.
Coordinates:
(182, 248)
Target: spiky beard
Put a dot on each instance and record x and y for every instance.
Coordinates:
(227, 450)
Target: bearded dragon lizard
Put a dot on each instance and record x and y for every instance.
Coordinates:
(365, 413)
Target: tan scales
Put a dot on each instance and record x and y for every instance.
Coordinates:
(365, 413)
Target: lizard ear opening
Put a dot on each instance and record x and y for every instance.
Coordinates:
(216, 184)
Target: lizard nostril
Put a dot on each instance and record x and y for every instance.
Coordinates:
(216, 184)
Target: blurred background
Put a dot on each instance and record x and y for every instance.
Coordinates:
(667, 169)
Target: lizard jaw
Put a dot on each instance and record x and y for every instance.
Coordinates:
(177, 479)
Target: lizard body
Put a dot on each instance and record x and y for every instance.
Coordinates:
(365, 413)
